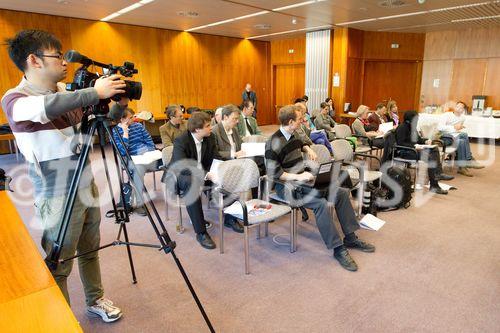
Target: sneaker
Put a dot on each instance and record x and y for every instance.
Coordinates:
(474, 164)
(105, 309)
(465, 172)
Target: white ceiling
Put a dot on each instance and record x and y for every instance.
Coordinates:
(164, 14)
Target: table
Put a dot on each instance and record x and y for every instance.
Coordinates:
(30, 300)
(475, 127)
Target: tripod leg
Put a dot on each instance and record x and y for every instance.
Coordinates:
(129, 252)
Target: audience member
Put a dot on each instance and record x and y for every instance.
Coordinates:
(392, 112)
(137, 142)
(309, 136)
(285, 163)
(217, 117)
(227, 139)
(192, 109)
(361, 127)
(323, 121)
(378, 117)
(194, 152)
(248, 124)
(331, 107)
(174, 127)
(408, 136)
(451, 126)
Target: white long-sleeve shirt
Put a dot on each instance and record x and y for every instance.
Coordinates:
(448, 120)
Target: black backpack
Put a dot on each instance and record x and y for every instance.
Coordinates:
(393, 179)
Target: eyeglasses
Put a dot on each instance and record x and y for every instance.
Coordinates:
(57, 56)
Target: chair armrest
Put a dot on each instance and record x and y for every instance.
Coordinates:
(242, 204)
(413, 150)
(370, 156)
(288, 187)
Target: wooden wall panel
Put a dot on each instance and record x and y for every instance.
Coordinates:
(355, 43)
(467, 79)
(472, 43)
(174, 67)
(377, 45)
(354, 82)
(440, 45)
(390, 79)
(470, 61)
(289, 83)
(435, 69)
(492, 83)
(279, 51)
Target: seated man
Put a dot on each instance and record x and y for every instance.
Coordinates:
(378, 117)
(137, 142)
(227, 139)
(451, 126)
(194, 151)
(174, 127)
(323, 121)
(248, 125)
(285, 163)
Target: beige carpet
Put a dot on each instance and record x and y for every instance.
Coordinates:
(436, 269)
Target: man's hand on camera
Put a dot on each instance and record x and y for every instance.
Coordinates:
(108, 86)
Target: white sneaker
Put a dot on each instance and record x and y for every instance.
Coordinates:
(105, 309)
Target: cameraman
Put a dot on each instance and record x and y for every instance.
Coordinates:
(45, 120)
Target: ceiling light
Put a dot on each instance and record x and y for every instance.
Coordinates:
(126, 10)
(290, 31)
(294, 21)
(401, 15)
(227, 21)
(251, 15)
(196, 28)
(300, 4)
(360, 21)
(476, 18)
(462, 6)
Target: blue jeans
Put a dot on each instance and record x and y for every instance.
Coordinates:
(461, 142)
(320, 138)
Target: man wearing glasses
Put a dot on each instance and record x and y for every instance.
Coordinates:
(45, 120)
(174, 127)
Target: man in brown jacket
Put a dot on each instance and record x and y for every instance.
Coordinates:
(174, 127)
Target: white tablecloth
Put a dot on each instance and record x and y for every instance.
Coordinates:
(476, 127)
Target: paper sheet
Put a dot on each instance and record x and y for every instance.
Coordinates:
(444, 186)
(253, 148)
(214, 169)
(385, 127)
(371, 222)
(147, 157)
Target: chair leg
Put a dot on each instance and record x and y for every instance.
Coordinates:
(179, 227)
(165, 197)
(292, 231)
(246, 245)
(266, 230)
(154, 180)
(221, 223)
(258, 231)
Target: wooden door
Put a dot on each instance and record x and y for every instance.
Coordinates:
(391, 79)
(289, 84)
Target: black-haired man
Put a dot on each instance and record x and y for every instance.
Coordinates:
(45, 120)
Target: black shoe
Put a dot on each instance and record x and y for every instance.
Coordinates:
(345, 260)
(438, 190)
(140, 211)
(205, 241)
(234, 224)
(358, 244)
(444, 177)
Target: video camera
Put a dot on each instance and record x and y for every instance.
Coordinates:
(84, 78)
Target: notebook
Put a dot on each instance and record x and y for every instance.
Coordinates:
(371, 222)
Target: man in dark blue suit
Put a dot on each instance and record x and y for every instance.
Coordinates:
(194, 152)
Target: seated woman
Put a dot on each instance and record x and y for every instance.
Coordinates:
(361, 127)
(323, 121)
(392, 112)
(306, 133)
(407, 135)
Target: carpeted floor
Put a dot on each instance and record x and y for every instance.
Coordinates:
(436, 269)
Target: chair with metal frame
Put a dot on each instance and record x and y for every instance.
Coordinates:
(236, 177)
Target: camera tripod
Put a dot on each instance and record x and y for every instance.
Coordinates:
(100, 124)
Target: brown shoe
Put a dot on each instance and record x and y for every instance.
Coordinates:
(465, 172)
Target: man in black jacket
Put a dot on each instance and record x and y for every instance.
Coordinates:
(194, 152)
(408, 136)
